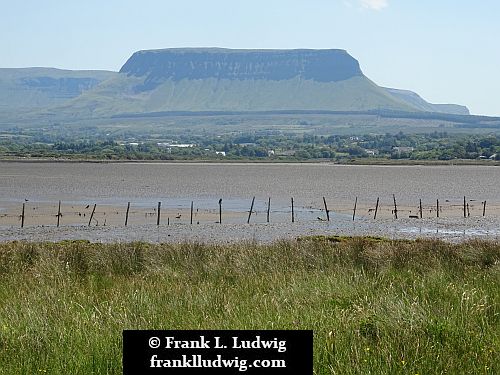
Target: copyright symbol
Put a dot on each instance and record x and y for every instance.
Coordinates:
(154, 342)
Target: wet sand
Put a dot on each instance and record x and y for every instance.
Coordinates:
(450, 229)
(110, 186)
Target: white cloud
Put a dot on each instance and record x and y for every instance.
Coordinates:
(375, 4)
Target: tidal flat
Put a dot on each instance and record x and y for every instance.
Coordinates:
(426, 191)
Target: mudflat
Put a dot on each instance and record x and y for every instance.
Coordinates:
(110, 186)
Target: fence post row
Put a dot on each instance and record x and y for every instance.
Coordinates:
(466, 210)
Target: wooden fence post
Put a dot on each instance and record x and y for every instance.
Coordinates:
(251, 209)
(126, 214)
(465, 213)
(159, 213)
(92, 214)
(268, 208)
(437, 207)
(293, 213)
(22, 216)
(354, 211)
(220, 211)
(395, 207)
(326, 210)
(58, 214)
(484, 208)
(191, 221)
(420, 208)
(376, 209)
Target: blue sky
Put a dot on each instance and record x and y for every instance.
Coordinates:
(447, 51)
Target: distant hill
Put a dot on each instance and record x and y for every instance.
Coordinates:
(28, 88)
(416, 101)
(209, 79)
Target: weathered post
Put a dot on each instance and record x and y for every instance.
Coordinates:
(220, 211)
(58, 214)
(268, 208)
(437, 207)
(159, 213)
(465, 213)
(293, 214)
(326, 210)
(92, 214)
(354, 211)
(376, 209)
(468, 212)
(251, 209)
(484, 208)
(395, 207)
(126, 214)
(420, 208)
(191, 221)
(22, 216)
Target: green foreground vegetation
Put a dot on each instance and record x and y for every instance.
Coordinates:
(376, 306)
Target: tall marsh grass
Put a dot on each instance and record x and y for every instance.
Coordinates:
(376, 306)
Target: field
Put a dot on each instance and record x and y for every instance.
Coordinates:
(376, 306)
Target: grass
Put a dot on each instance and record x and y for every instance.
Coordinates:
(376, 306)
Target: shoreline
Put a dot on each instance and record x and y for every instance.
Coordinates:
(353, 162)
(448, 229)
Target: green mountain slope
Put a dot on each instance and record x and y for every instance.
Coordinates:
(117, 96)
(29, 88)
(415, 100)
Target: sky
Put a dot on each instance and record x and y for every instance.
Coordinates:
(445, 50)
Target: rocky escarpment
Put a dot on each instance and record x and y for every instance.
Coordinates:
(175, 64)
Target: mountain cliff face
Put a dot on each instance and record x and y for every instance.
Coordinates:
(272, 65)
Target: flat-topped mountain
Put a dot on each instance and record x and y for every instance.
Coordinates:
(271, 65)
(216, 79)
(211, 79)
